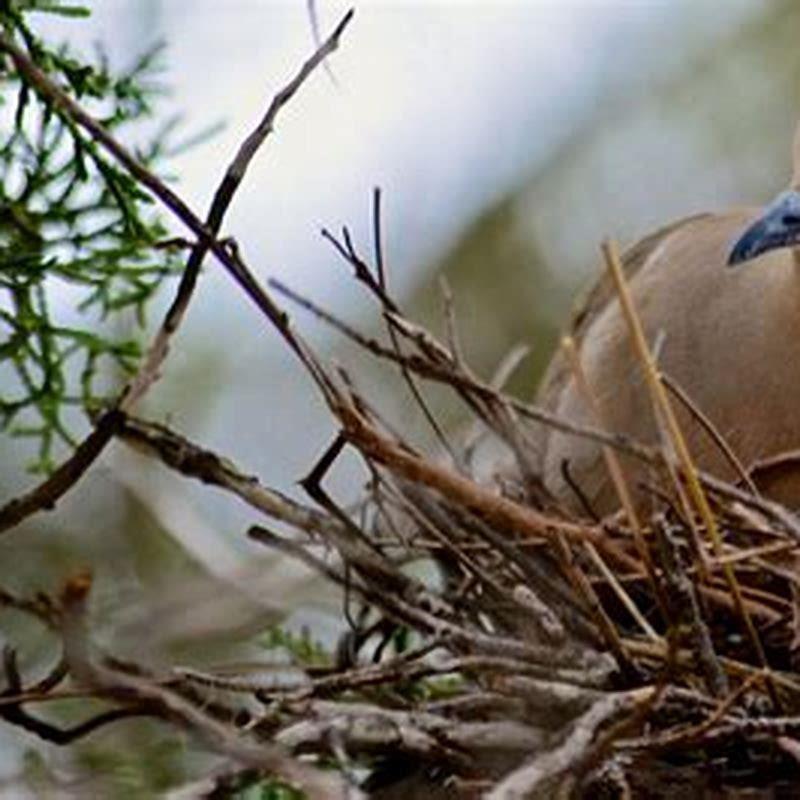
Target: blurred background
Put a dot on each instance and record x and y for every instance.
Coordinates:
(508, 138)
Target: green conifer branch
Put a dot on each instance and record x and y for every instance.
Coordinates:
(79, 261)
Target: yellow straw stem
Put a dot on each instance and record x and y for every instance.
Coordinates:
(664, 407)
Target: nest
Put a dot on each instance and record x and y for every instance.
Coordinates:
(542, 655)
(546, 655)
(617, 657)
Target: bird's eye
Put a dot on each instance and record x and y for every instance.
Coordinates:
(791, 220)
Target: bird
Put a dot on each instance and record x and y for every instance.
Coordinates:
(718, 295)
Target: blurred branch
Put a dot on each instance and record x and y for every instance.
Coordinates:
(137, 691)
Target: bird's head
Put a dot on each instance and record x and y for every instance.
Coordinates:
(779, 224)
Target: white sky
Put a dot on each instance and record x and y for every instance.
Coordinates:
(440, 104)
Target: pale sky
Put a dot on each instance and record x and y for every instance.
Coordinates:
(441, 104)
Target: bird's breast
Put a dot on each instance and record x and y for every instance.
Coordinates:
(729, 337)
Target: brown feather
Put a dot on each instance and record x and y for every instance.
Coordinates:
(731, 340)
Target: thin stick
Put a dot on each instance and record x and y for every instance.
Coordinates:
(618, 479)
(583, 587)
(364, 275)
(694, 733)
(377, 236)
(451, 321)
(695, 535)
(623, 596)
(718, 439)
(755, 552)
(234, 175)
(610, 457)
(466, 383)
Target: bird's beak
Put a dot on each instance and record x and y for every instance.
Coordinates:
(778, 226)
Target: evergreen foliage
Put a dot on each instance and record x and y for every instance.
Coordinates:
(80, 254)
